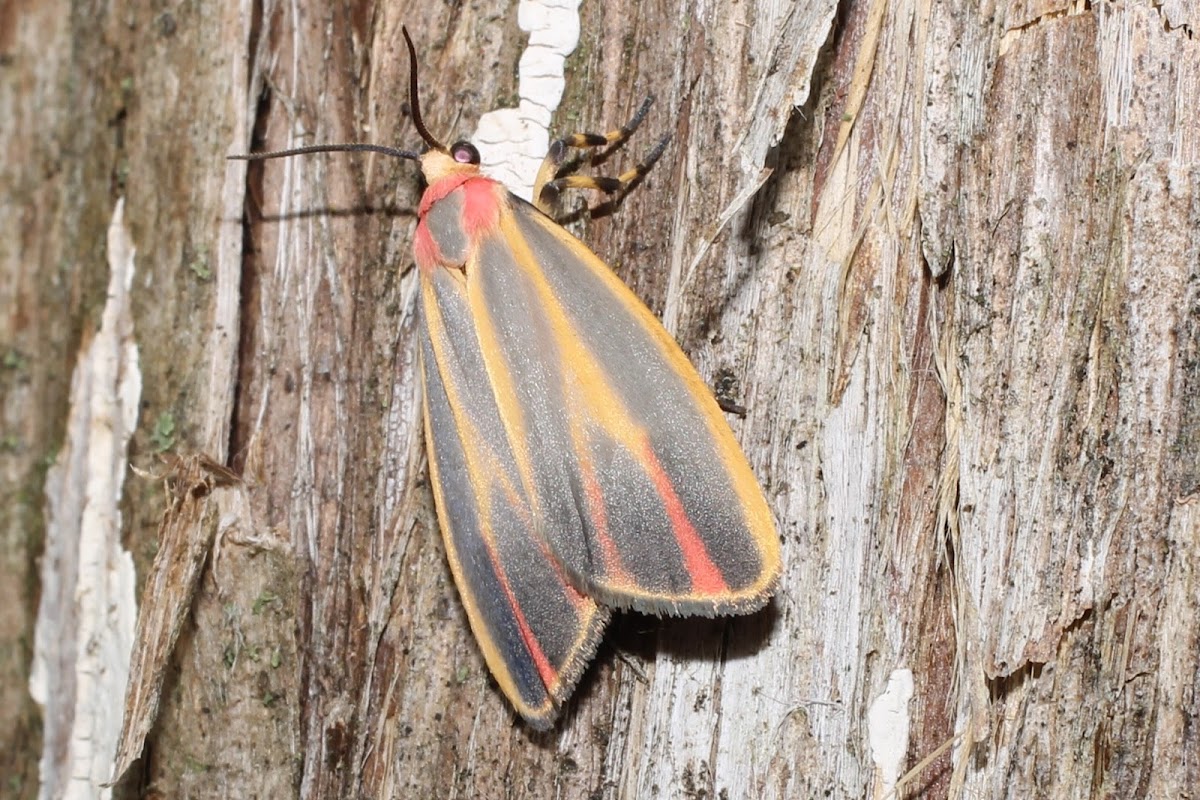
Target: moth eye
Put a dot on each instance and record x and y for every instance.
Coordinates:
(464, 153)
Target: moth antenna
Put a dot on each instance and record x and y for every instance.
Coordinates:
(328, 148)
(414, 102)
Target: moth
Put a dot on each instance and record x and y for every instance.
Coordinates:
(579, 463)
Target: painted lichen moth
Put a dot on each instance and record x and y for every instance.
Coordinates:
(578, 462)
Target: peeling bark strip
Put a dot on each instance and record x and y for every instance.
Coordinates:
(960, 310)
(86, 616)
(185, 540)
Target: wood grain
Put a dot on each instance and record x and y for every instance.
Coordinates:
(946, 256)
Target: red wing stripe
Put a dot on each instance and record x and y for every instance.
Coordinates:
(481, 207)
(425, 249)
(545, 669)
(614, 570)
(439, 189)
(706, 576)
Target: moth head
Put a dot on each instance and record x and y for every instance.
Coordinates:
(441, 162)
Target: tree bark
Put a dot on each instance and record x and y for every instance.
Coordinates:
(946, 256)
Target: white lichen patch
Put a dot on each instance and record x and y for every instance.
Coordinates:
(888, 723)
(513, 141)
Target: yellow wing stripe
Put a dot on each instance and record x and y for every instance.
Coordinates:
(466, 432)
(603, 406)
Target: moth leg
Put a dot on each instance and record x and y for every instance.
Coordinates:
(556, 166)
(616, 188)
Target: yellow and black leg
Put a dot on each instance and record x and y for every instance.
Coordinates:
(557, 172)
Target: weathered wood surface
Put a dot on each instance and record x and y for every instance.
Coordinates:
(957, 286)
